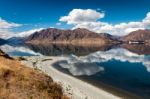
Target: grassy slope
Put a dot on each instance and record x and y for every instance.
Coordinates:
(20, 82)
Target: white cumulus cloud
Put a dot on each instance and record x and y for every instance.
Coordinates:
(7, 25)
(5, 28)
(27, 33)
(89, 19)
(77, 16)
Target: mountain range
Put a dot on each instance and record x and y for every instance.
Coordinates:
(75, 37)
(79, 37)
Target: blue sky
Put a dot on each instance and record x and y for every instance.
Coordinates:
(46, 13)
(49, 11)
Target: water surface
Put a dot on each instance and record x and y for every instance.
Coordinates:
(125, 68)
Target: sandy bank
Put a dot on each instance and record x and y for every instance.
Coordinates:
(73, 87)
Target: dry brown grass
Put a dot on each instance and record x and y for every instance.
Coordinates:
(20, 82)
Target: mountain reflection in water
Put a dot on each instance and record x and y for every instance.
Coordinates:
(119, 68)
(137, 48)
(56, 50)
(119, 54)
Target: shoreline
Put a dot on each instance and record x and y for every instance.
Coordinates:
(101, 85)
(73, 87)
(18, 81)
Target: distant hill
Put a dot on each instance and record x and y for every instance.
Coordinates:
(75, 37)
(15, 40)
(139, 35)
(2, 41)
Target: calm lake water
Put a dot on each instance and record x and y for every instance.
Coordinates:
(125, 68)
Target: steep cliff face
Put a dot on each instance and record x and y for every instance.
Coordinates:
(75, 37)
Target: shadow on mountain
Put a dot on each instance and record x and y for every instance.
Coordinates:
(137, 48)
(55, 50)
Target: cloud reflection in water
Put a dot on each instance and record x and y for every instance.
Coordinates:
(86, 65)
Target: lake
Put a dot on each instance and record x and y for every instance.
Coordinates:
(122, 70)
